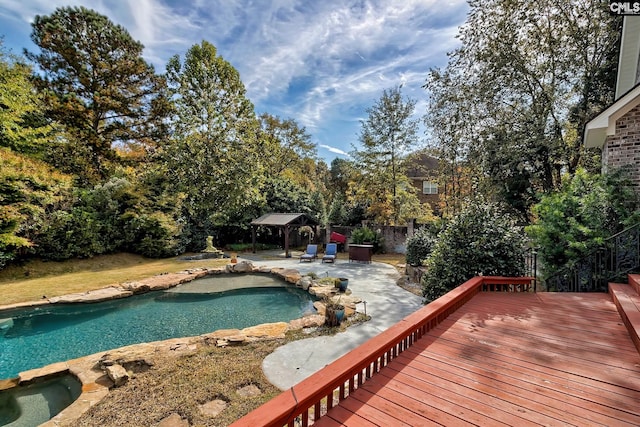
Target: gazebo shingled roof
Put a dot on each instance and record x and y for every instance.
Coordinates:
(283, 220)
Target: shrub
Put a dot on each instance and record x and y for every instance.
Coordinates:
(366, 235)
(64, 235)
(152, 235)
(481, 240)
(577, 219)
(419, 246)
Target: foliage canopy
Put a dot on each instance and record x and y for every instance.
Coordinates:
(481, 240)
(576, 220)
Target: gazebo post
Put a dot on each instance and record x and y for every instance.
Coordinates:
(286, 241)
(253, 237)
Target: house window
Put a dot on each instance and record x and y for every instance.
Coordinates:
(429, 187)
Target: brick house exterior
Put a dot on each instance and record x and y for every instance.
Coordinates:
(422, 170)
(616, 130)
(622, 150)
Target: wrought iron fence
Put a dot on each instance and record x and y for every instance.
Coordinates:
(618, 256)
(531, 266)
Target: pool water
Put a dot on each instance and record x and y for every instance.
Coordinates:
(35, 404)
(31, 338)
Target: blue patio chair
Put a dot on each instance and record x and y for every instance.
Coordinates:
(310, 254)
(330, 252)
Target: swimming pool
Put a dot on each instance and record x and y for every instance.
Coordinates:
(31, 338)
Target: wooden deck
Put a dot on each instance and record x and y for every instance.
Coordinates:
(508, 359)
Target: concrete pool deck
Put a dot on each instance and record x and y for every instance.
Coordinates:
(386, 303)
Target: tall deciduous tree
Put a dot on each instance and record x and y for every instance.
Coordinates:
(22, 126)
(97, 85)
(386, 136)
(28, 189)
(515, 96)
(214, 155)
(287, 144)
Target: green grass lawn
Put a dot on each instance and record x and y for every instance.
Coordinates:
(36, 279)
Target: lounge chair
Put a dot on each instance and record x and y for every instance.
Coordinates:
(310, 254)
(330, 252)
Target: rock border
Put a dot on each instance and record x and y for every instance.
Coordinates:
(99, 372)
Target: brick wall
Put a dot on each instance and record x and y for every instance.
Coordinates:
(622, 150)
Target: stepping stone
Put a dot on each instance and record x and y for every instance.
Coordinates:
(249, 391)
(213, 408)
(174, 420)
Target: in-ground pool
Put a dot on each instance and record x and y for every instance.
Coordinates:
(31, 338)
(32, 405)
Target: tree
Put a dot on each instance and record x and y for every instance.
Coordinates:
(319, 207)
(341, 172)
(283, 195)
(420, 245)
(96, 83)
(214, 155)
(481, 240)
(287, 144)
(519, 90)
(577, 219)
(22, 128)
(28, 189)
(385, 136)
(337, 211)
(450, 121)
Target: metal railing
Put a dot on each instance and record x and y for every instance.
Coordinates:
(618, 256)
(531, 266)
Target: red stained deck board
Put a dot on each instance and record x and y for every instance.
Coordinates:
(590, 355)
(534, 373)
(443, 397)
(391, 403)
(504, 390)
(509, 359)
(340, 416)
(423, 410)
(496, 400)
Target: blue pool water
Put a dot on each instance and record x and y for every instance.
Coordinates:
(39, 336)
(32, 405)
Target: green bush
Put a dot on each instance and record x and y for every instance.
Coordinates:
(68, 234)
(106, 219)
(366, 235)
(419, 246)
(152, 235)
(481, 240)
(246, 247)
(577, 219)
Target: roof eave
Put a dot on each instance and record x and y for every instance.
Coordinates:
(604, 124)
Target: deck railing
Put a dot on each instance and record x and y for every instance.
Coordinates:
(310, 399)
(618, 256)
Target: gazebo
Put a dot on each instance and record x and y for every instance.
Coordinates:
(285, 221)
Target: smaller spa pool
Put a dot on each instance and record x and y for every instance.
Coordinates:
(35, 404)
(31, 338)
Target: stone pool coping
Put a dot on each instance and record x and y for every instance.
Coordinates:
(98, 372)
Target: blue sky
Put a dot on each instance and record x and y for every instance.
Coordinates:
(321, 63)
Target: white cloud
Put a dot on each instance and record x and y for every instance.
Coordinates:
(334, 150)
(315, 62)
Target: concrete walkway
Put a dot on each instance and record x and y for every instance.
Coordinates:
(374, 283)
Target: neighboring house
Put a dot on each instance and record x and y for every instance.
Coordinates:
(422, 170)
(616, 130)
